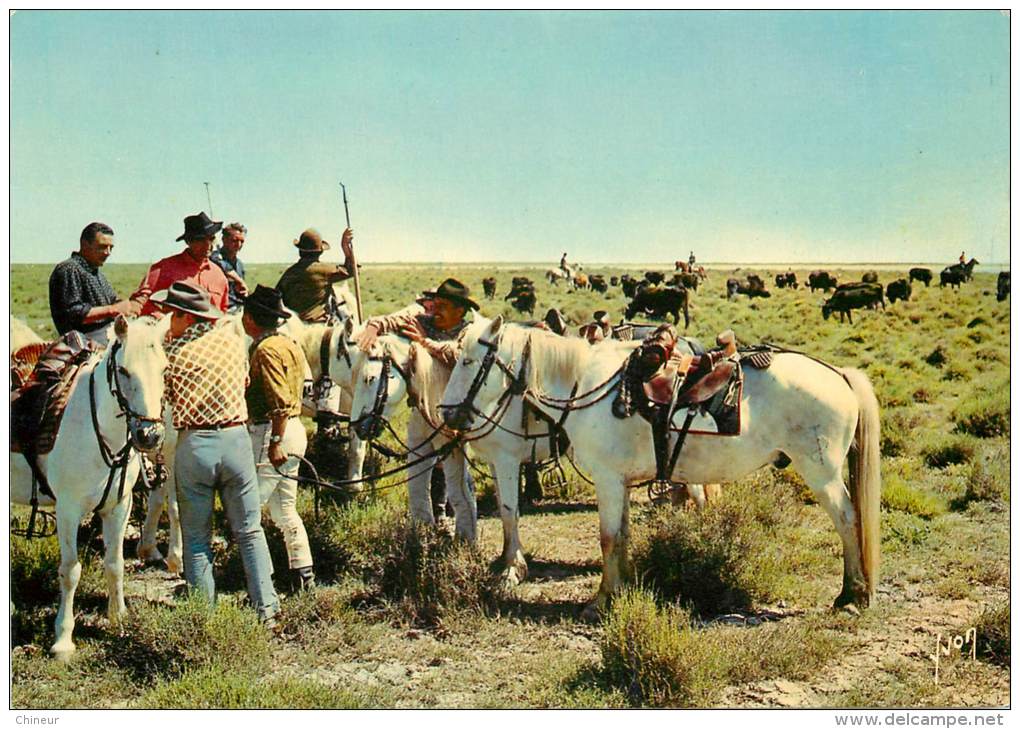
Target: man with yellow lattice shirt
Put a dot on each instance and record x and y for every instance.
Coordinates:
(206, 379)
(278, 438)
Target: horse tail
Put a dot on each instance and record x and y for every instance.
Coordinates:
(687, 316)
(865, 475)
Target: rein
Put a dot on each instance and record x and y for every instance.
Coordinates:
(120, 459)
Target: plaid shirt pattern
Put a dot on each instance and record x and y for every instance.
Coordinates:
(75, 287)
(206, 378)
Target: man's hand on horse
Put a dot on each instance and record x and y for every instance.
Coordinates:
(129, 307)
(413, 331)
(367, 338)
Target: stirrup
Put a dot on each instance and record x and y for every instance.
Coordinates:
(552, 479)
(46, 527)
(660, 491)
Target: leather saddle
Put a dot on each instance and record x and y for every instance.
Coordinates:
(38, 405)
(690, 377)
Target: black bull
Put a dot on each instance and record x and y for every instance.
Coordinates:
(657, 303)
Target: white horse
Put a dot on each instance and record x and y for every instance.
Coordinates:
(817, 416)
(555, 275)
(396, 371)
(126, 382)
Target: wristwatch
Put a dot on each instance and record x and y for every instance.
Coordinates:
(275, 438)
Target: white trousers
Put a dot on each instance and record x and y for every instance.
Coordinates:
(280, 493)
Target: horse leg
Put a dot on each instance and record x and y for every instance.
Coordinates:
(357, 449)
(614, 534)
(461, 493)
(148, 551)
(68, 519)
(826, 483)
(713, 492)
(507, 475)
(175, 549)
(114, 525)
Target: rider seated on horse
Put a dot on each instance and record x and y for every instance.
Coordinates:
(564, 266)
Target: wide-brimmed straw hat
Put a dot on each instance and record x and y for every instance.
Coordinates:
(311, 240)
(455, 291)
(199, 226)
(266, 301)
(187, 297)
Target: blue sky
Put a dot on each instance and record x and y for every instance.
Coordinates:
(515, 136)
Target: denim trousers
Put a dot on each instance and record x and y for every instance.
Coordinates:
(278, 492)
(207, 460)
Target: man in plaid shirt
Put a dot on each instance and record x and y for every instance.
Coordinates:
(81, 299)
(206, 379)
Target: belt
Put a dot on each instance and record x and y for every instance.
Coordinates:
(217, 426)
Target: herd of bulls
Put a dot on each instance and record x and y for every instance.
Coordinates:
(657, 295)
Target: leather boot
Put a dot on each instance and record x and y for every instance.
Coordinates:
(304, 578)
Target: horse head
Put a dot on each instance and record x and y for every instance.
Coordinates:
(136, 363)
(379, 381)
(476, 383)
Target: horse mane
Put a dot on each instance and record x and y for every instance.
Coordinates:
(428, 379)
(552, 357)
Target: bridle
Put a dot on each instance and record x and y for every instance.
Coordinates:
(517, 385)
(120, 459)
(117, 390)
(376, 415)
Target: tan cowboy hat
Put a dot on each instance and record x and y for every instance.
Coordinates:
(311, 240)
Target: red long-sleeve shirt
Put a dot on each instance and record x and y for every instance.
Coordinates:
(182, 267)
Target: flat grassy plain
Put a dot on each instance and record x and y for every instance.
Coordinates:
(738, 617)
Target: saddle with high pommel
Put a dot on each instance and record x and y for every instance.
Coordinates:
(668, 373)
(38, 403)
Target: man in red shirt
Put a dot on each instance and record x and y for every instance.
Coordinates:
(192, 265)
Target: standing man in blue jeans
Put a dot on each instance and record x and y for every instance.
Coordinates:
(206, 377)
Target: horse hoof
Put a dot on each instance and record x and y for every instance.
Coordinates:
(148, 555)
(511, 578)
(174, 565)
(62, 651)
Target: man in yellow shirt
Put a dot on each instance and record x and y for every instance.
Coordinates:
(274, 403)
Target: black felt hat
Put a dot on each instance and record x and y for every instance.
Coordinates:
(456, 292)
(199, 226)
(266, 301)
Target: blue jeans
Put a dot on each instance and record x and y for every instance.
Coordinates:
(211, 459)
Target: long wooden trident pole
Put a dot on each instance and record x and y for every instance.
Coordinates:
(354, 262)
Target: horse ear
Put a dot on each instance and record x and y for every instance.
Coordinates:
(496, 325)
(348, 327)
(120, 327)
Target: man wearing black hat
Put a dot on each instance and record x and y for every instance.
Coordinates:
(273, 396)
(192, 264)
(206, 373)
(436, 322)
(439, 332)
